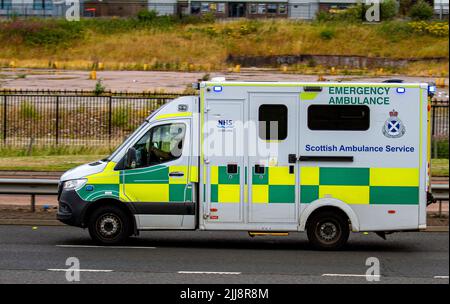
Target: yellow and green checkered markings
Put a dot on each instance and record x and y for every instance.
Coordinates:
(276, 185)
(225, 187)
(360, 185)
(151, 184)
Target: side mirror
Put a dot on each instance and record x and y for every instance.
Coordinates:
(131, 158)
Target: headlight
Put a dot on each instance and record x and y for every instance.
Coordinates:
(74, 184)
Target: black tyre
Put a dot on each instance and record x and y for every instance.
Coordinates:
(109, 225)
(328, 230)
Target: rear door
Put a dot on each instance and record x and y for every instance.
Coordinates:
(273, 187)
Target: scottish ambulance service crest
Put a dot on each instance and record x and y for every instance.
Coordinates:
(394, 127)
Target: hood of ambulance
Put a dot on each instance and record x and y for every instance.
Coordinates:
(84, 170)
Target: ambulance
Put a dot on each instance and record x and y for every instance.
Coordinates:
(268, 158)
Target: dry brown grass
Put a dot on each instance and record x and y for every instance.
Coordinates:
(206, 46)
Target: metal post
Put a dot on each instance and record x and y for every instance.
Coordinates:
(5, 116)
(57, 120)
(433, 130)
(33, 203)
(110, 120)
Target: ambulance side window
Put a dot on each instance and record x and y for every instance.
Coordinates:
(339, 117)
(273, 122)
(160, 144)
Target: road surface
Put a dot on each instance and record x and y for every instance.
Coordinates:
(39, 255)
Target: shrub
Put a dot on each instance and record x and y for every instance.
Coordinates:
(99, 87)
(327, 34)
(146, 15)
(323, 16)
(421, 11)
(354, 13)
(389, 9)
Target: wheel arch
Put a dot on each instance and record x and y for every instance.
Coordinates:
(126, 207)
(326, 204)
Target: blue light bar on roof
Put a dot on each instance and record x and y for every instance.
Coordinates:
(432, 89)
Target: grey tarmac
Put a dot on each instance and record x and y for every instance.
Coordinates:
(39, 255)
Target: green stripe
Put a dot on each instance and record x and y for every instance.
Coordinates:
(308, 194)
(150, 175)
(99, 190)
(214, 193)
(344, 176)
(394, 195)
(281, 194)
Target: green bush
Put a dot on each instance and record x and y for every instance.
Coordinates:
(327, 34)
(322, 16)
(354, 13)
(421, 11)
(146, 15)
(99, 87)
(389, 9)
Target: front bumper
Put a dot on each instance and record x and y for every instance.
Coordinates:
(71, 209)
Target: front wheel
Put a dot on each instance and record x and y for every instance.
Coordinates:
(328, 230)
(109, 225)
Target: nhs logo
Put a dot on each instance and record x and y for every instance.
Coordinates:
(225, 124)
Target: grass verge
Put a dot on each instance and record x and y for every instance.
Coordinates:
(205, 46)
(46, 163)
(439, 167)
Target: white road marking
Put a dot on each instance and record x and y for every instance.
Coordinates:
(347, 275)
(440, 277)
(94, 246)
(208, 272)
(81, 270)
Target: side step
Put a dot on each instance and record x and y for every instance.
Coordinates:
(259, 233)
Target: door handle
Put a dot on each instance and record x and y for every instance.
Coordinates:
(176, 174)
(292, 158)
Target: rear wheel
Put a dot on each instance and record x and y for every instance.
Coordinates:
(109, 225)
(328, 230)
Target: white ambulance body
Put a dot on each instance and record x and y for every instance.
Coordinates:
(325, 158)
